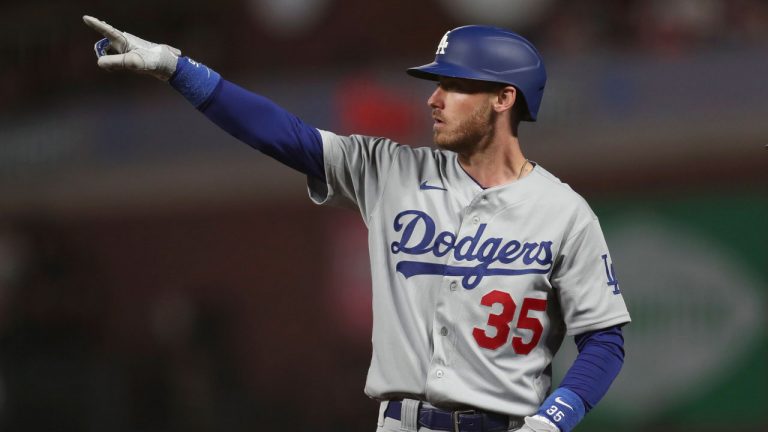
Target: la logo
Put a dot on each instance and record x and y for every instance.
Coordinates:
(610, 273)
(443, 44)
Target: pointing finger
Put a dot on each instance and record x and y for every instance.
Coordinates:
(116, 38)
(100, 26)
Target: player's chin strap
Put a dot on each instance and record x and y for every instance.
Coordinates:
(561, 411)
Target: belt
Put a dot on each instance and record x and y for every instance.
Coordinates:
(454, 421)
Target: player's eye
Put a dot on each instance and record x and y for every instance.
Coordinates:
(451, 85)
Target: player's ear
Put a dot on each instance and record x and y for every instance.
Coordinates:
(505, 99)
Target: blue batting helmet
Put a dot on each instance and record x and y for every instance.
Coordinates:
(490, 54)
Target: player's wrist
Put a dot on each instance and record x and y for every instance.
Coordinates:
(195, 81)
(563, 408)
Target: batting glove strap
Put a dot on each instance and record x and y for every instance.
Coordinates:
(195, 81)
(564, 408)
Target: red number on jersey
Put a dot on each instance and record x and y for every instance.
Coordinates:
(528, 323)
(501, 322)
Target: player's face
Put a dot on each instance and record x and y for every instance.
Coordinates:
(462, 112)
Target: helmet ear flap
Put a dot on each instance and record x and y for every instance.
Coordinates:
(490, 54)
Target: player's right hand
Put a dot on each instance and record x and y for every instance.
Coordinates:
(534, 424)
(132, 53)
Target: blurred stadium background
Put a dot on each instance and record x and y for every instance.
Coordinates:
(158, 275)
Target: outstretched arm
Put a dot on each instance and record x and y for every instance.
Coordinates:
(251, 118)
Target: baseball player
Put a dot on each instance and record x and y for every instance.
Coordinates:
(481, 260)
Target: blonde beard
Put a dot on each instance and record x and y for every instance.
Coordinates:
(467, 135)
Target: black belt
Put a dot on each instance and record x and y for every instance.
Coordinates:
(454, 421)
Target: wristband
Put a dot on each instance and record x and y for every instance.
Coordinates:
(564, 408)
(195, 81)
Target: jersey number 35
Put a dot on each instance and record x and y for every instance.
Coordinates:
(501, 322)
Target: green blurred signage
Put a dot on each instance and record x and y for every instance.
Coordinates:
(694, 273)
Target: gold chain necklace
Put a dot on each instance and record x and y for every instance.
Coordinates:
(522, 168)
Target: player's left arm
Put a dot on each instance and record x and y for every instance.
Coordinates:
(594, 312)
(601, 356)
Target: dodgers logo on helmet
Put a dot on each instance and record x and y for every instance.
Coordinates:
(492, 54)
(443, 44)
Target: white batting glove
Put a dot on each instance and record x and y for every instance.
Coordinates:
(133, 53)
(538, 424)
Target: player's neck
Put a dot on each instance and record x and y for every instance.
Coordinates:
(499, 162)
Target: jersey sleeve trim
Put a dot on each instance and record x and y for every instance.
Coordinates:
(321, 191)
(621, 319)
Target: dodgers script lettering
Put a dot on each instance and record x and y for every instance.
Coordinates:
(419, 236)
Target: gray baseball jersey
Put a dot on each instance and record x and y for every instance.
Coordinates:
(473, 289)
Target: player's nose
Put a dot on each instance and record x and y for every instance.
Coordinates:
(436, 100)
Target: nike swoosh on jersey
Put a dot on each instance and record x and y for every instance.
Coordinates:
(425, 186)
(560, 401)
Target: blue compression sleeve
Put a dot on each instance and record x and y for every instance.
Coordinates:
(601, 355)
(251, 118)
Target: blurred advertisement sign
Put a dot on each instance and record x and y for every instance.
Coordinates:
(694, 277)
